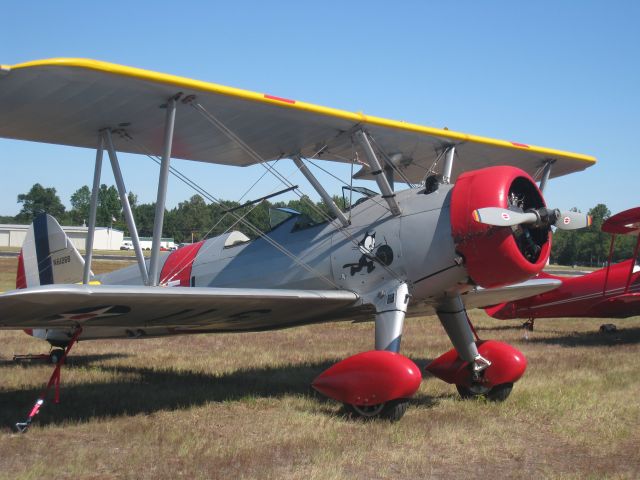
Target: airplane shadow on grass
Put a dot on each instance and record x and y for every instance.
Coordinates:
(148, 390)
(595, 338)
(500, 328)
(72, 361)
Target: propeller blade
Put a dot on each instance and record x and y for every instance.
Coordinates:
(501, 217)
(572, 220)
(542, 217)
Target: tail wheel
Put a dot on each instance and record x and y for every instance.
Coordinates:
(393, 410)
(498, 393)
(55, 355)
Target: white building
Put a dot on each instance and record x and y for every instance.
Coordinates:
(104, 238)
(146, 242)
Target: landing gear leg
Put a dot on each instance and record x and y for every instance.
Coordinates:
(390, 315)
(528, 325)
(391, 310)
(455, 321)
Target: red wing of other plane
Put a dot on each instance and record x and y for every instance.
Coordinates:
(611, 292)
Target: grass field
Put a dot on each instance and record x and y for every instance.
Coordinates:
(240, 406)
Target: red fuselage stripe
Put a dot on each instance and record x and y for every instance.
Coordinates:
(178, 265)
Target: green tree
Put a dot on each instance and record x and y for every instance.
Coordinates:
(189, 220)
(109, 207)
(80, 204)
(133, 200)
(144, 215)
(594, 243)
(588, 246)
(40, 200)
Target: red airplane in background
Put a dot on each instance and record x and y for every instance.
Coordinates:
(611, 292)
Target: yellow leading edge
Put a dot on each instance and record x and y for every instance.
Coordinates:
(177, 81)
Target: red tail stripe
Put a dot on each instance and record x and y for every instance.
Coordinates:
(21, 279)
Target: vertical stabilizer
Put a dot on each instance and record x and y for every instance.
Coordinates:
(48, 256)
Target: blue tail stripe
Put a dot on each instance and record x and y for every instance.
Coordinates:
(41, 234)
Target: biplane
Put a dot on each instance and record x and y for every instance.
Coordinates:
(611, 292)
(472, 222)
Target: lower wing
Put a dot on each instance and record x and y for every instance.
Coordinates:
(485, 297)
(65, 306)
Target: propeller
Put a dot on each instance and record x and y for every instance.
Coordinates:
(537, 218)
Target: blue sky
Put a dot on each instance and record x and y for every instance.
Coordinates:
(563, 75)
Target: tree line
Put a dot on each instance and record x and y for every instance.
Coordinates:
(194, 219)
(590, 246)
(191, 220)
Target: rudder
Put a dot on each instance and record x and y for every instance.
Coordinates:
(48, 255)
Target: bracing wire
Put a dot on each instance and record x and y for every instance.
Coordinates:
(256, 157)
(238, 218)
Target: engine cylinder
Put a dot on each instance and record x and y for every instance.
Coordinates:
(496, 256)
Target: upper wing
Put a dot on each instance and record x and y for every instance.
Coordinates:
(67, 101)
(623, 223)
(63, 306)
(484, 297)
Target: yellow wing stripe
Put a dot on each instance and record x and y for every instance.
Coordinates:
(182, 82)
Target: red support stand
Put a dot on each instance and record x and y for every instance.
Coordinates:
(54, 381)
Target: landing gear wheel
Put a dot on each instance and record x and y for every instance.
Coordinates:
(55, 355)
(499, 393)
(393, 410)
(528, 325)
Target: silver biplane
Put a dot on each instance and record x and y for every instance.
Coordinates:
(471, 230)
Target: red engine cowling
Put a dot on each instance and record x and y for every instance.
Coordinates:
(496, 256)
(370, 378)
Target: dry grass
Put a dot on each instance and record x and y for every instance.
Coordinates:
(9, 265)
(239, 406)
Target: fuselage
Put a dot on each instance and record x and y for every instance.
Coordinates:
(415, 247)
(433, 248)
(598, 294)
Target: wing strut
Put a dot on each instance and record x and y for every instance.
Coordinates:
(545, 174)
(163, 178)
(377, 172)
(448, 164)
(321, 191)
(633, 262)
(86, 274)
(609, 258)
(126, 208)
